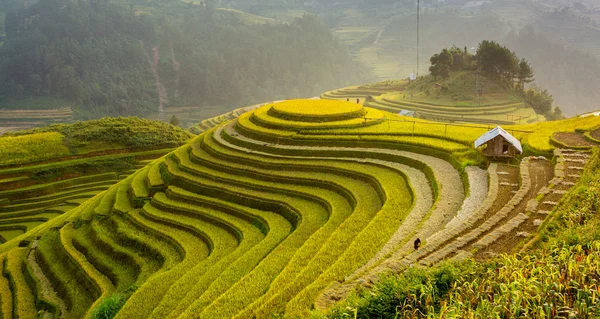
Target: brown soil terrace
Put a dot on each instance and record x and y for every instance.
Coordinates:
(573, 139)
(596, 134)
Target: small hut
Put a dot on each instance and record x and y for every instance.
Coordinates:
(499, 143)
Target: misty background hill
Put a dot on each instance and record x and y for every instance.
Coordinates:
(108, 58)
(560, 38)
(140, 57)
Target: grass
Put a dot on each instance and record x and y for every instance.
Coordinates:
(117, 161)
(67, 278)
(54, 186)
(31, 148)
(278, 229)
(6, 306)
(194, 246)
(23, 299)
(459, 91)
(109, 307)
(101, 282)
(157, 251)
(71, 165)
(308, 208)
(449, 100)
(115, 133)
(455, 140)
(248, 246)
(383, 66)
(117, 266)
(331, 250)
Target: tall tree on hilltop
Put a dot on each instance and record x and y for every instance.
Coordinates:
(525, 74)
(440, 64)
(497, 61)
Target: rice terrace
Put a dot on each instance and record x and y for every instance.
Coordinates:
(289, 207)
(143, 175)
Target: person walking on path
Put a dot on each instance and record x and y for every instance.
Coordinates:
(417, 243)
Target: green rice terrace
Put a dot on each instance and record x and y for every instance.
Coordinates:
(284, 210)
(47, 171)
(21, 114)
(452, 100)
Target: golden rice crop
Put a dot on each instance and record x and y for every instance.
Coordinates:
(262, 116)
(22, 294)
(316, 108)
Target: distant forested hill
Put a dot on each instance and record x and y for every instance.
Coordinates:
(571, 75)
(111, 59)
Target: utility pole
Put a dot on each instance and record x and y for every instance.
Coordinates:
(418, 26)
(478, 90)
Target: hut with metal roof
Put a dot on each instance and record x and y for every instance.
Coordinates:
(499, 143)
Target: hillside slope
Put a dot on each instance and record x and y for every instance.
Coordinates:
(566, 255)
(117, 59)
(46, 172)
(447, 100)
(260, 215)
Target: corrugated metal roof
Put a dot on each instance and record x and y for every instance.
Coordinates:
(406, 113)
(495, 132)
(596, 113)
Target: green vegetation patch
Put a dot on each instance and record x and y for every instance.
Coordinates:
(113, 133)
(32, 147)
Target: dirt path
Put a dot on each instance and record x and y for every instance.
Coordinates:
(176, 66)
(566, 174)
(509, 234)
(478, 191)
(160, 89)
(45, 288)
(378, 36)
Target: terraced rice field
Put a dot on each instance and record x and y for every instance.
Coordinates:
(188, 115)
(11, 120)
(288, 207)
(207, 124)
(33, 194)
(389, 97)
(361, 92)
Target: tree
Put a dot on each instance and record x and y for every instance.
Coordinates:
(440, 64)
(497, 61)
(460, 59)
(540, 100)
(525, 74)
(174, 121)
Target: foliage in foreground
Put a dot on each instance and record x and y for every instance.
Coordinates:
(558, 280)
